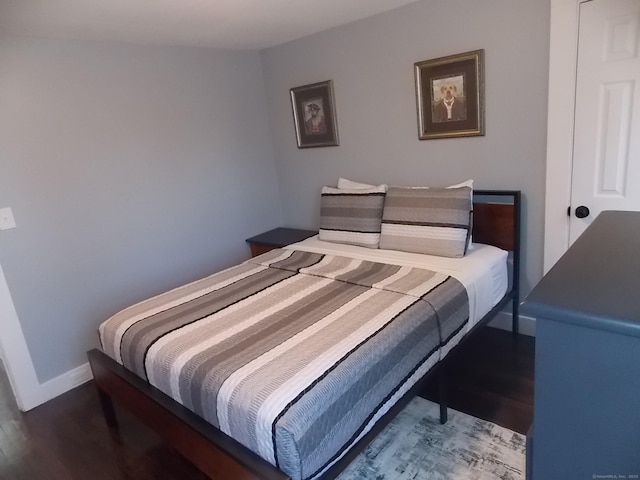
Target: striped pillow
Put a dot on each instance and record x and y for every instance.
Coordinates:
(434, 221)
(352, 216)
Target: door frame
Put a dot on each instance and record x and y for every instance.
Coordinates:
(563, 62)
(15, 353)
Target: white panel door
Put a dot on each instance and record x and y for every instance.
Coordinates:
(606, 152)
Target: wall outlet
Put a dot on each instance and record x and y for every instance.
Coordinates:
(6, 219)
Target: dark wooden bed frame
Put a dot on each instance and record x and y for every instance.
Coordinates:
(496, 221)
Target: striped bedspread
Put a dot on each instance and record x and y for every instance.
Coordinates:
(293, 354)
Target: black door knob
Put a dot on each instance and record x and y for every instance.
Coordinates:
(582, 211)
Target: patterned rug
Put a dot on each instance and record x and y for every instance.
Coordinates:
(415, 446)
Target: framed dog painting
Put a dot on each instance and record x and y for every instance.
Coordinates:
(450, 96)
(314, 115)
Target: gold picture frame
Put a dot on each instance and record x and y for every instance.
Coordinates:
(314, 115)
(450, 96)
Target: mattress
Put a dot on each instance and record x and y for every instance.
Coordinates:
(297, 353)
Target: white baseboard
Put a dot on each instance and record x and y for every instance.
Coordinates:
(59, 385)
(527, 325)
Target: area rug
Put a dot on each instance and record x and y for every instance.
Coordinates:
(415, 446)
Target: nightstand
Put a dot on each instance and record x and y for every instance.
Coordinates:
(276, 238)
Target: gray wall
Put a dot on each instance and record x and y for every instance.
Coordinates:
(371, 65)
(130, 170)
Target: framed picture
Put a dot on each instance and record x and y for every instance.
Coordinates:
(450, 96)
(314, 115)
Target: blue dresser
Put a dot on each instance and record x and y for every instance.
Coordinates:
(587, 370)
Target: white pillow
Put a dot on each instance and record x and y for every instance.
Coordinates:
(345, 183)
(467, 183)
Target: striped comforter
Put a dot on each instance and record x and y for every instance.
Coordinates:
(293, 354)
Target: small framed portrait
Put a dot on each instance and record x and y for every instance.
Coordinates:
(314, 115)
(450, 96)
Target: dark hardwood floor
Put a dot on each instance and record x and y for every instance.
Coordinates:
(491, 378)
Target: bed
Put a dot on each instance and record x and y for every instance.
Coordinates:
(287, 365)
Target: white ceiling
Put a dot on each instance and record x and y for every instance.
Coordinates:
(235, 24)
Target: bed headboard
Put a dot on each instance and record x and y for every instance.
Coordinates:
(496, 218)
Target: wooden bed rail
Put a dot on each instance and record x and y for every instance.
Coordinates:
(217, 455)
